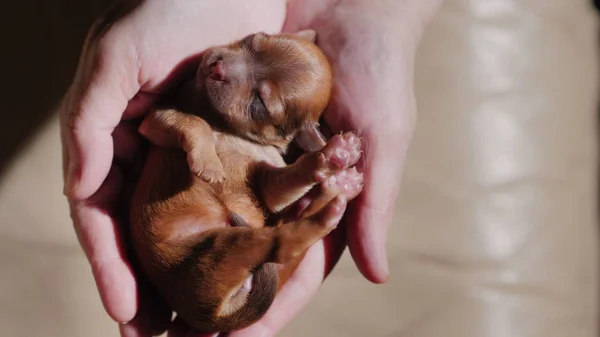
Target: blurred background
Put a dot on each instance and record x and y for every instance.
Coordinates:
(495, 233)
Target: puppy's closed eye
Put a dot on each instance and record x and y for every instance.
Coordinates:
(258, 110)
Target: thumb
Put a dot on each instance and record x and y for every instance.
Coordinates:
(370, 214)
(105, 81)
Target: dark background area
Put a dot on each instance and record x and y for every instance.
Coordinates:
(39, 54)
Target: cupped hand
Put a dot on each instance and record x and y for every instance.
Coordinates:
(371, 46)
(135, 51)
(130, 56)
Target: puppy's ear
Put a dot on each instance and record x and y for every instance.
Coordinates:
(310, 139)
(307, 34)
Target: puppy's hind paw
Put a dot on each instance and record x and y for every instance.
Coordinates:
(347, 183)
(331, 215)
(341, 152)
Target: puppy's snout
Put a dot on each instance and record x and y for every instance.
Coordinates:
(225, 66)
(218, 71)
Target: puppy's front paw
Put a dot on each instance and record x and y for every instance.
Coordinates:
(206, 168)
(340, 152)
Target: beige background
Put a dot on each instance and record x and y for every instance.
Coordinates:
(495, 234)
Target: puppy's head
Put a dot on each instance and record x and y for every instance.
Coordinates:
(269, 88)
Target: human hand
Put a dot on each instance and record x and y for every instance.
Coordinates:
(128, 58)
(120, 71)
(371, 45)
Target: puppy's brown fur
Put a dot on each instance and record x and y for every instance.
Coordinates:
(207, 219)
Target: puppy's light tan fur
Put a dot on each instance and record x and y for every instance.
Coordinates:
(207, 216)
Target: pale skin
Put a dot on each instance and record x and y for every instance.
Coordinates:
(371, 45)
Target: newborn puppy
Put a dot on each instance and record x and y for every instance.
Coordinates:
(208, 222)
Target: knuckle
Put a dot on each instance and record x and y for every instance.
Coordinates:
(73, 119)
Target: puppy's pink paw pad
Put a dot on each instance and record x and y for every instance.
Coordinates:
(342, 150)
(347, 183)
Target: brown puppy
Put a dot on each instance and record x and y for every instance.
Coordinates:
(207, 223)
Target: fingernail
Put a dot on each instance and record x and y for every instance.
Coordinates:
(72, 179)
(384, 266)
(127, 330)
(386, 269)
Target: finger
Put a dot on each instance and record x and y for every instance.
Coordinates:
(180, 329)
(370, 214)
(152, 319)
(130, 150)
(139, 105)
(127, 142)
(105, 82)
(148, 322)
(100, 237)
(300, 288)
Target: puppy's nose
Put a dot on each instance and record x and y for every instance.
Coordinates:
(218, 71)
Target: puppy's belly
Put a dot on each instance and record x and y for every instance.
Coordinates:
(171, 212)
(171, 206)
